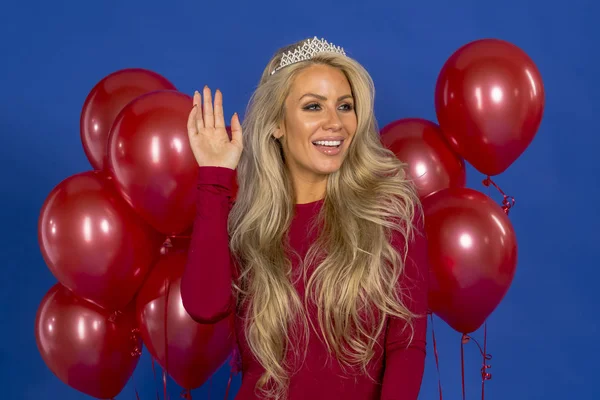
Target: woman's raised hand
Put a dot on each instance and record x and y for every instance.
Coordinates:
(208, 135)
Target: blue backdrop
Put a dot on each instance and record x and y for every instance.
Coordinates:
(542, 336)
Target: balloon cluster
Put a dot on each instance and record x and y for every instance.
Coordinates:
(489, 101)
(114, 238)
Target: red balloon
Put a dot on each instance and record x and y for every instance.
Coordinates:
(106, 100)
(193, 351)
(93, 243)
(432, 164)
(489, 100)
(472, 255)
(85, 346)
(151, 160)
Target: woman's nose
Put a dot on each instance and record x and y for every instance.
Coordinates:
(333, 122)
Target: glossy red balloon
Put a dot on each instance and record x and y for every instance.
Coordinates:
(193, 351)
(489, 100)
(93, 242)
(432, 164)
(84, 345)
(106, 100)
(151, 160)
(472, 256)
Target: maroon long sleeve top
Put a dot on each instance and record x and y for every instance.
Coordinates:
(398, 364)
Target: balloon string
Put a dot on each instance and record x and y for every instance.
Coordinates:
(507, 202)
(210, 382)
(485, 375)
(165, 371)
(228, 385)
(137, 395)
(155, 380)
(164, 378)
(235, 364)
(435, 353)
(235, 368)
(462, 363)
(485, 356)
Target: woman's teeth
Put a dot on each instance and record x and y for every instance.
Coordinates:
(334, 143)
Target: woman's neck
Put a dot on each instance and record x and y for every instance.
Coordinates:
(309, 190)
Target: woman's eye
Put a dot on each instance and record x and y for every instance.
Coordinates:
(316, 106)
(311, 106)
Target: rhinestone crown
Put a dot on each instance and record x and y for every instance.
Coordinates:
(306, 51)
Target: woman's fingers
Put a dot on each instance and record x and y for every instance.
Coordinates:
(198, 111)
(219, 117)
(208, 114)
(196, 98)
(204, 115)
(236, 129)
(192, 128)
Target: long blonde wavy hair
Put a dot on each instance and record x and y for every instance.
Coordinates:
(354, 285)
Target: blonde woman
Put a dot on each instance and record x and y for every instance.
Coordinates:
(321, 256)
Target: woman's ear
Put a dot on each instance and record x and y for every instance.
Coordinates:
(278, 134)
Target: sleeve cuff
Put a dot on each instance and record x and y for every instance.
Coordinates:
(219, 176)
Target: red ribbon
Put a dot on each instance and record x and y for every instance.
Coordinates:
(235, 364)
(228, 385)
(166, 369)
(435, 352)
(485, 376)
(155, 381)
(507, 202)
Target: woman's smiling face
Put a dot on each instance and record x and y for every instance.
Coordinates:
(320, 106)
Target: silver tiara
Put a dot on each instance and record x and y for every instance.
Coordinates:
(306, 51)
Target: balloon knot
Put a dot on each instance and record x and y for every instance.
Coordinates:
(465, 338)
(167, 244)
